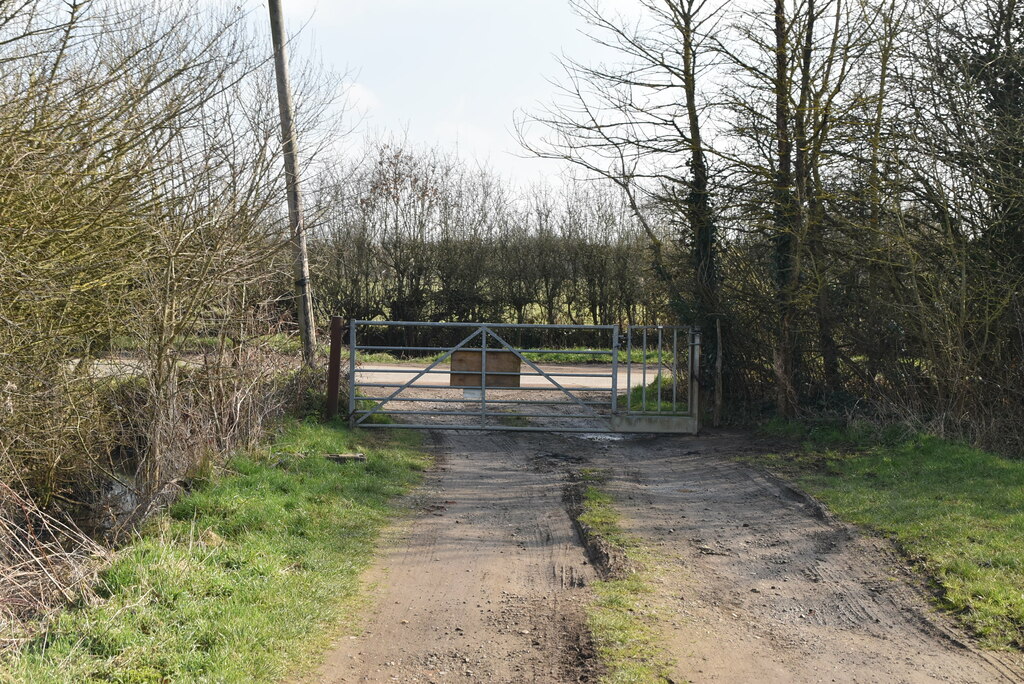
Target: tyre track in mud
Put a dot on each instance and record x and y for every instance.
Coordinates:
(488, 582)
(755, 582)
(758, 583)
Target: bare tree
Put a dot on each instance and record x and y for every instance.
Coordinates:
(639, 124)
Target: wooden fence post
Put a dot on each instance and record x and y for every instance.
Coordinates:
(334, 369)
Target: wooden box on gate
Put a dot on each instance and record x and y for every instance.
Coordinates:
(467, 365)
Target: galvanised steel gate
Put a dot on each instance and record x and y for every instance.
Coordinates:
(503, 376)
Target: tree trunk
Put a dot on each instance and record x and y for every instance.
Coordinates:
(786, 223)
(698, 203)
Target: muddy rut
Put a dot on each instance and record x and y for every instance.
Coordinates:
(487, 583)
(488, 580)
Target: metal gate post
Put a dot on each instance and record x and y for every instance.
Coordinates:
(629, 368)
(660, 366)
(615, 370)
(675, 370)
(352, 373)
(643, 383)
(483, 372)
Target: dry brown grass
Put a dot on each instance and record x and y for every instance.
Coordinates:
(45, 563)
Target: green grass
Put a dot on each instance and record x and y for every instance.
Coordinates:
(955, 510)
(245, 577)
(620, 618)
(636, 398)
(385, 357)
(599, 514)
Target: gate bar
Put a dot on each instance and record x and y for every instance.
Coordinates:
(527, 402)
(503, 428)
(442, 324)
(536, 368)
(499, 414)
(392, 347)
(409, 384)
(504, 389)
(491, 340)
(524, 375)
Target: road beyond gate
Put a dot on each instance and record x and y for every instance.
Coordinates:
(503, 376)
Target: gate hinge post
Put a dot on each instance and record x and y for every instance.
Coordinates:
(483, 374)
(352, 385)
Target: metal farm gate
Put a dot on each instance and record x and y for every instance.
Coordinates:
(503, 376)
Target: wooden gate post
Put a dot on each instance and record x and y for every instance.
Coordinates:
(334, 369)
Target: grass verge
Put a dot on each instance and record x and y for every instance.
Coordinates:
(245, 577)
(957, 512)
(620, 619)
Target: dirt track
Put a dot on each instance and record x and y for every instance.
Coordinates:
(488, 581)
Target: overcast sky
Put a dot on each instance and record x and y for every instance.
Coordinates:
(451, 72)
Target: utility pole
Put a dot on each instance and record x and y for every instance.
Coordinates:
(303, 294)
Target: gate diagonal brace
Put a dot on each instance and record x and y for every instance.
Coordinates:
(444, 357)
(534, 366)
